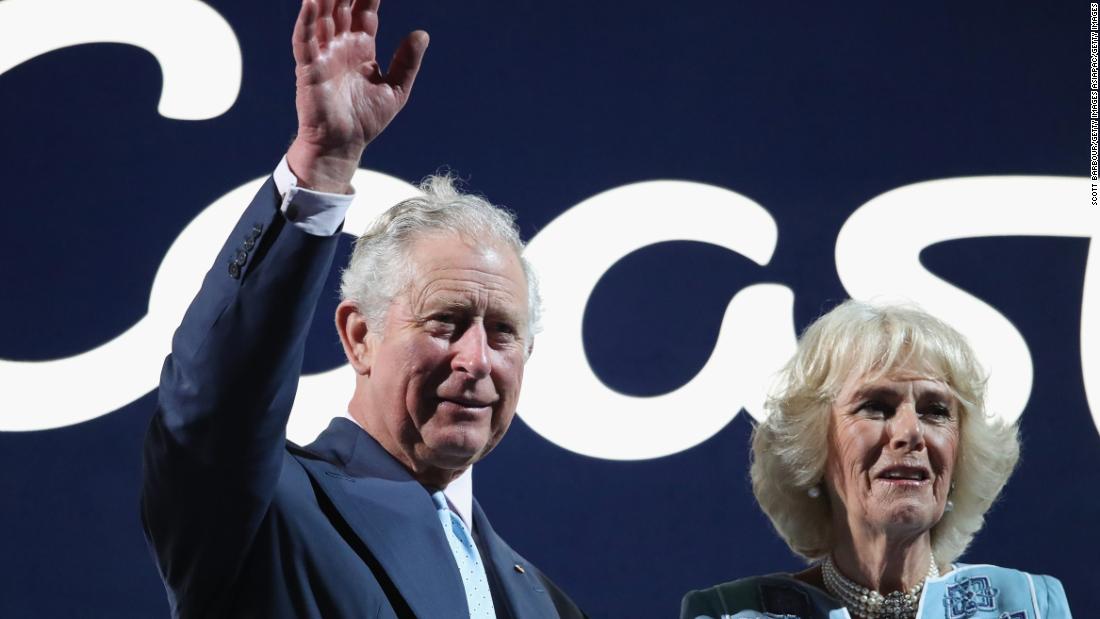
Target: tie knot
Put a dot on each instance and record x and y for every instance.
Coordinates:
(440, 501)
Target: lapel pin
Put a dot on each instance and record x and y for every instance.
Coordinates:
(519, 568)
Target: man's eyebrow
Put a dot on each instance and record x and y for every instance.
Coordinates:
(505, 315)
(452, 302)
(458, 302)
(448, 300)
(434, 305)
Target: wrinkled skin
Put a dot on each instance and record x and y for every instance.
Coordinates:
(343, 98)
(893, 446)
(438, 386)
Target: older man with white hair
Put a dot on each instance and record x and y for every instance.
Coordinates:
(437, 321)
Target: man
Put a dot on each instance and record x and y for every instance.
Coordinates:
(436, 322)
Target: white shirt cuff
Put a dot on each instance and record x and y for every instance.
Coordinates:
(315, 212)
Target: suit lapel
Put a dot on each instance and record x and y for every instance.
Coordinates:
(526, 594)
(392, 514)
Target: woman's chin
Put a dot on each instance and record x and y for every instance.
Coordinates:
(908, 517)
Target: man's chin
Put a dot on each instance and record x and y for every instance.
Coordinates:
(454, 454)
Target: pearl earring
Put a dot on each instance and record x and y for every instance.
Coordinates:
(950, 505)
(814, 491)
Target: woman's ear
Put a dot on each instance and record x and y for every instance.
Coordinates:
(355, 334)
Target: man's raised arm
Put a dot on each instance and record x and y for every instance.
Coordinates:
(215, 446)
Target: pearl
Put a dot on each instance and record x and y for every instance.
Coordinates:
(872, 604)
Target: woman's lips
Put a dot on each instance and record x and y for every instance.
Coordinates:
(904, 475)
(914, 483)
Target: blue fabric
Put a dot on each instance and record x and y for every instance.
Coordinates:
(966, 592)
(478, 598)
(243, 524)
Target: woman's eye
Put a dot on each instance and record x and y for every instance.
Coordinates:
(938, 409)
(874, 407)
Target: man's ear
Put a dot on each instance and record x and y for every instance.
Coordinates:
(530, 349)
(355, 334)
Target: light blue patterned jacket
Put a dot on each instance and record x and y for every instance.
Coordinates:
(966, 592)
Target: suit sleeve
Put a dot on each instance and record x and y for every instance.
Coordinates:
(215, 445)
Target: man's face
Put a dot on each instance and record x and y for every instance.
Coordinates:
(445, 372)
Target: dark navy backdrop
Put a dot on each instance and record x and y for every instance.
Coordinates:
(809, 108)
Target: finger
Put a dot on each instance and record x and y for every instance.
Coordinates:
(342, 16)
(326, 26)
(406, 62)
(304, 39)
(365, 16)
(327, 7)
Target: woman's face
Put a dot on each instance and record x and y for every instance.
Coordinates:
(892, 448)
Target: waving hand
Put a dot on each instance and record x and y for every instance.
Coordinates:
(344, 99)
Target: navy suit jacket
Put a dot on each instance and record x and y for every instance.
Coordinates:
(245, 524)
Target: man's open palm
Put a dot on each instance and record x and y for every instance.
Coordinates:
(344, 99)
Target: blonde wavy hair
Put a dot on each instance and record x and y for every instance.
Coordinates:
(790, 447)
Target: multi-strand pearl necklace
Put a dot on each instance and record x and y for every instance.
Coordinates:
(872, 604)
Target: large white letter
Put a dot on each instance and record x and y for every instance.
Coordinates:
(566, 403)
(124, 369)
(878, 255)
(110, 376)
(198, 53)
(1090, 324)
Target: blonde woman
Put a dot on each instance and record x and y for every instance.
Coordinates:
(877, 463)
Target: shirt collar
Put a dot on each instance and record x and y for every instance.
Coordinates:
(459, 492)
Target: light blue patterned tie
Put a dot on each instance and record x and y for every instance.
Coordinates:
(478, 597)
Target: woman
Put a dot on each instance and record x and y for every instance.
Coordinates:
(878, 462)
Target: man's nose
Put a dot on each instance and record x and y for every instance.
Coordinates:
(906, 431)
(471, 352)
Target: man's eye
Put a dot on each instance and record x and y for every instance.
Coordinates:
(503, 333)
(442, 324)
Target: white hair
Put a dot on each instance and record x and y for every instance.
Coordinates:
(380, 266)
(791, 446)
